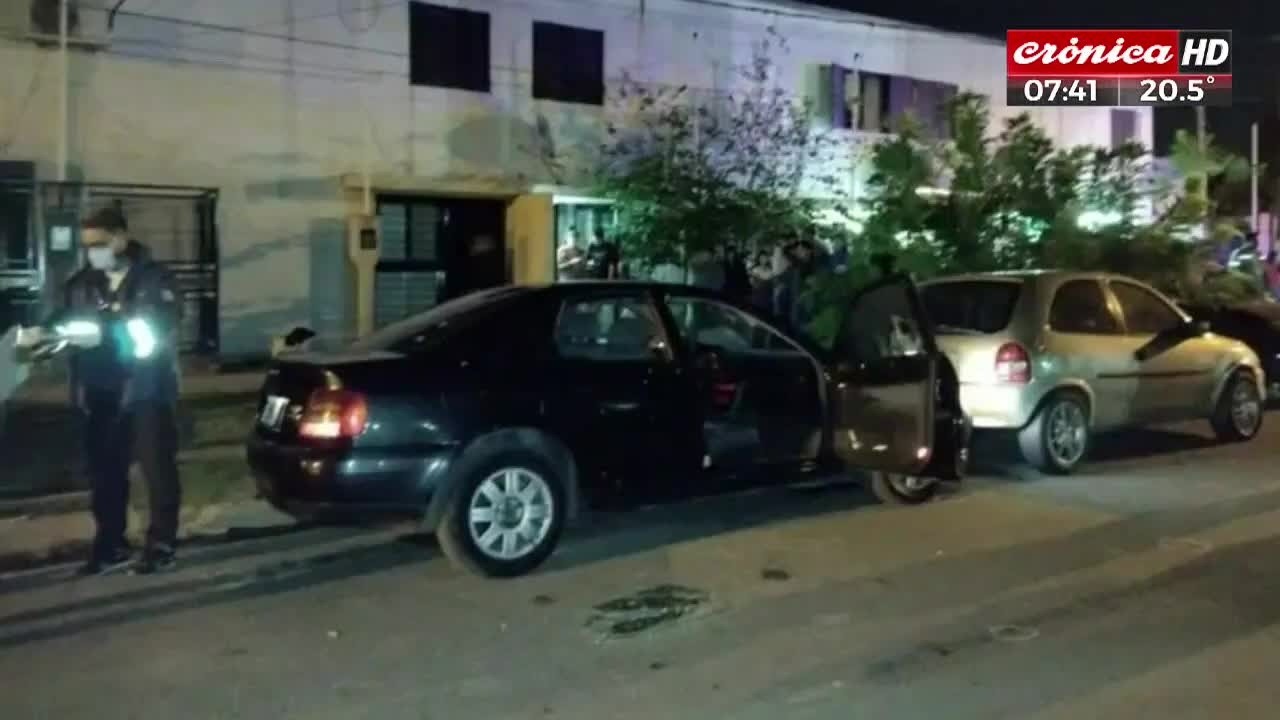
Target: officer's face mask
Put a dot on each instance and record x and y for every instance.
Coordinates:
(101, 257)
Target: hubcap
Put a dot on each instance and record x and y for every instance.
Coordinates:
(1068, 433)
(510, 513)
(910, 484)
(1246, 408)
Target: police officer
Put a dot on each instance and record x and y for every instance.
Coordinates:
(127, 388)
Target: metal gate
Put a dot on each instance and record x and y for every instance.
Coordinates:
(177, 224)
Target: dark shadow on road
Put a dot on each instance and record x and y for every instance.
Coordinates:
(1146, 442)
(996, 453)
(611, 535)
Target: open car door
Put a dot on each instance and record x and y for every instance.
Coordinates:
(894, 401)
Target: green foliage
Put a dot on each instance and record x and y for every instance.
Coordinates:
(693, 173)
(1014, 201)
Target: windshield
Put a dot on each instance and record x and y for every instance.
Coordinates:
(971, 306)
(438, 317)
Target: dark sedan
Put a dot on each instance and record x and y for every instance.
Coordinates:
(499, 416)
(1256, 324)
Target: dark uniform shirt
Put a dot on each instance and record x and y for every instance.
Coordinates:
(146, 292)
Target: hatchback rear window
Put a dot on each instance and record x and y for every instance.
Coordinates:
(971, 306)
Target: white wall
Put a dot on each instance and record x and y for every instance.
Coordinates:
(214, 94)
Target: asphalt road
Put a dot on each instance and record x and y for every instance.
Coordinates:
(1145, 587)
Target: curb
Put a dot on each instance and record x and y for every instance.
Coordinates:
(43, 505)
(78, 501)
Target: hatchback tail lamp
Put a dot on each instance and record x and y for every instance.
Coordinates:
(1013, 364)
(334, 414)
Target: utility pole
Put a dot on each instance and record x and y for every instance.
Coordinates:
(1253, 177)
(1202, 142)
(64, 89)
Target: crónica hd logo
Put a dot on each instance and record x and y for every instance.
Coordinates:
(1117, 52)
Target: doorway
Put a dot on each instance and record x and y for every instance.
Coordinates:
(435, 249)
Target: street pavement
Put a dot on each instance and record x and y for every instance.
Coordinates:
(1144, 587)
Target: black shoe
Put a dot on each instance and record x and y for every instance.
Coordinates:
(155, 560)
(105, 564)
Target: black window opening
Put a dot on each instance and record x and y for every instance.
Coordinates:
(448, 47)
(568, 64)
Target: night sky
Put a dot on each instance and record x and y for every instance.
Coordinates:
(1256, 64)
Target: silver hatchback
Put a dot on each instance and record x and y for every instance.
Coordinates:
(1059, 356)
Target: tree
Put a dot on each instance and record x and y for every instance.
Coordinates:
(690, 172)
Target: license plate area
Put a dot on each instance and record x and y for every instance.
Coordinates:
(273, 412)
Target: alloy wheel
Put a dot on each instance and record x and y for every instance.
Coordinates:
(510, 513)
(1246, 408)
(1068, 433)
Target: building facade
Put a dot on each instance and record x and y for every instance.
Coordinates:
(344, 162)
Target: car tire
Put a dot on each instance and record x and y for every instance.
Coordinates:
(1057, 440)
(493, 524)
(1229, 426)
(898, 489)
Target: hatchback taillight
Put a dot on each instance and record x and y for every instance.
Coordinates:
(1013, 364)
(334, 414)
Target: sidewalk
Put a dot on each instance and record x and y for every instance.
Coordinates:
(195, 386)
(28, 542)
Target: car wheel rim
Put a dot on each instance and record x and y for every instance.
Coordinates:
(910, 484)
(510, 513)
(1068, 433)
(1245, 408)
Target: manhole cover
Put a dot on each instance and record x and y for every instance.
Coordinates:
(644, 610)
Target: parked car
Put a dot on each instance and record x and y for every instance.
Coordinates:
(1256, 324)
(1058, 356)
(499, 416)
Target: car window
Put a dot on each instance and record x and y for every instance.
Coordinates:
(608, 329)
(881, 325)
(1080, 307)
(706, 322)
(1144, 312)
(971, 306)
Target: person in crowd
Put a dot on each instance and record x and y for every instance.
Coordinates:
(737, 279)
(762, 281)
(127, 386)
(603, 259)
(1271, 274)
(706, 270)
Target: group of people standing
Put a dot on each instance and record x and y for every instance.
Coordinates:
(777, 282)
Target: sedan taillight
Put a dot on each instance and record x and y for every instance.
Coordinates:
(334, 414)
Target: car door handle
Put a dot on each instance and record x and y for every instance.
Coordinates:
(619, 407)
